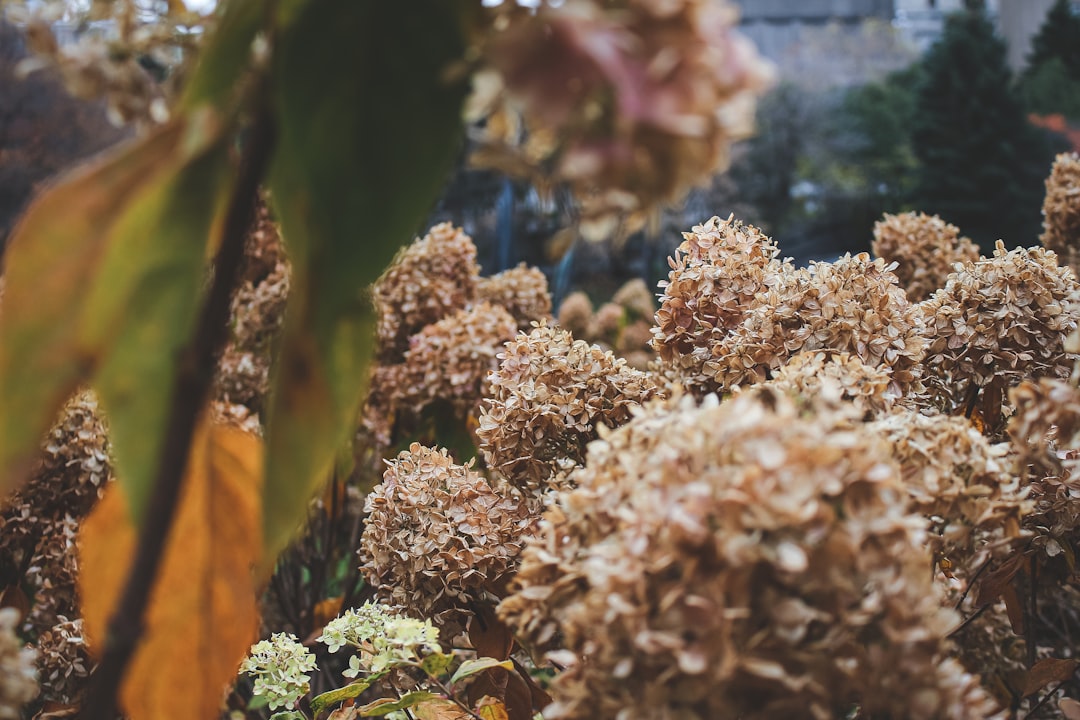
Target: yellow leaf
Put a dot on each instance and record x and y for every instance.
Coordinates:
(202, 616)
(491, 709)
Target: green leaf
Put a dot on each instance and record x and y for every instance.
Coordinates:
(352, 690)
(226, 54)
(79, 291)
(359, 163)
(436, 663)
(386, 706)
(288, 715)
(479, 665)
(258, 702)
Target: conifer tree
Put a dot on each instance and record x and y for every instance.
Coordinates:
(1058, 39)
(981, 162)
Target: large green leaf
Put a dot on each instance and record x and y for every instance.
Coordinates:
(368, 126)
(72, 293)
(226, 54)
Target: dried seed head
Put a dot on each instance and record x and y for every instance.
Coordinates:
(744, 559)
(925, 249)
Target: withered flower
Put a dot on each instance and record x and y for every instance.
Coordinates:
(925, 249)
(630, 103)
(575, 313)
(439, 536)
(18, 678)
(744, 559)
(853, 306)
(522, 291)
(827, 377)
(715, 275)
(1061, 210)
(549, 396)
(996, 322)
(431, 278)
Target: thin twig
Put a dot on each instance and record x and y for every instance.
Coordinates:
(968, 620)
(1045, 698)
(971, 583)
(191, 386)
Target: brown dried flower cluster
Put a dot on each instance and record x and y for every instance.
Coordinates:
(1061, 210)
(439, 536)
(960, 482)
(853, 305)
(833, 378)
(548, 397)
(1045, 432)
(629, 103)
(64, 662)
(18, 678)
(715, 275)
(450, 361)
(257, 314)
(924, 247)
(743, 559)
(523, 291)
(433, 277)
(623, 325)
(996, 322)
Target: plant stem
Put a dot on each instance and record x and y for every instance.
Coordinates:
(190, 389)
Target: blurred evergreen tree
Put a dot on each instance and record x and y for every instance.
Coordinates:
(1051, 81)
(982, 163)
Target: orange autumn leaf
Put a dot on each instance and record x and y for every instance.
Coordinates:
(202, 616)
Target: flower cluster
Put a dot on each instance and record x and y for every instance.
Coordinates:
(622, 325)
(996, 322)
(450, 359)
(549, 395)
(1061, 210)
(522, 291)
(925, 249)
(853, 305)
(439, 537)
(63, 661)
(281, 667)
(630, 103)
(961, 483)
(828, 377)
(257, 315)
(18, 678)
(433, 277)
(744, 559)
(384, 638)
(716, 273)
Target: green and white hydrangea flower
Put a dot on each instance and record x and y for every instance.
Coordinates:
(280, 667)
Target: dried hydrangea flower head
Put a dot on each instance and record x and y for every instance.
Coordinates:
(1045, 434)
(996, 322)
(715, 275)
(605, 325)
(439, 537)
(853, 305)
(431, 278)
(575, 312)
(549, 395)
(1061, 210)
(924, 247)
(629, 103)
(281, 667)
(820, 376)
(63, 661)
(257, 316)
(18, 678)
(961, 483)
(449, 362)
(636, 298)
(743, 559)
(522, 291)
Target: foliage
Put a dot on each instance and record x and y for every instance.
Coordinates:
(979, 160)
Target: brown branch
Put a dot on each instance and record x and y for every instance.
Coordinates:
(190, 389)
